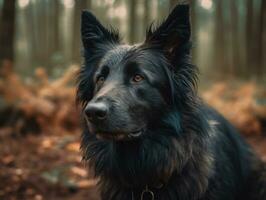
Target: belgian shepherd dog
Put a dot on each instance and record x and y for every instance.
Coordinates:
(147, 135)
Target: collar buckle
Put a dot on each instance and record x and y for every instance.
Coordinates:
(147, 192)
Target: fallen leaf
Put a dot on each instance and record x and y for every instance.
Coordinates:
(8, 159)
(79, 171)
(73, 147)
(87, 183)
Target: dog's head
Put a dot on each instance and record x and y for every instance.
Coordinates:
(125, 89)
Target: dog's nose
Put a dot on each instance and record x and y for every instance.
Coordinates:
(96, 111)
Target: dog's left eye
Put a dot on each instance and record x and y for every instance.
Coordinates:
(137, 78)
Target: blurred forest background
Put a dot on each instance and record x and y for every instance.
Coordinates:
(40, 55)
(229, 36)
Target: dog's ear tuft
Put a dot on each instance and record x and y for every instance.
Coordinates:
(94, 33)
(173, 32)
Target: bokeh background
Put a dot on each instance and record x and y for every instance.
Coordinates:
(40, 55)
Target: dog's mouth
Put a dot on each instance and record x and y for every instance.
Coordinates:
(120, 136)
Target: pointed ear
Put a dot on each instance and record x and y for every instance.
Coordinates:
(93, 33)
(173, 32)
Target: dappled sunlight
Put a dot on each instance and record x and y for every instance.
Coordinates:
(206, 4)
(23, 3)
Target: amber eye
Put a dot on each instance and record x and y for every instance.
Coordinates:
(137, 78)
(100, 80)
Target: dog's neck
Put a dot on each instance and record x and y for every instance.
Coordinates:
(142, 162)
(153, 161)
(126, 185)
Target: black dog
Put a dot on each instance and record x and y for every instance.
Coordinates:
(147, 134)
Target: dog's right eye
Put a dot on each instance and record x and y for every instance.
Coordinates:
(137, 78)
(100, 80)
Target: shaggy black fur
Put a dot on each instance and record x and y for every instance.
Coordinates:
(183, 150)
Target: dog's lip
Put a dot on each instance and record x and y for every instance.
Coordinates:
(136, 134)
(109, 136)
(120, 135)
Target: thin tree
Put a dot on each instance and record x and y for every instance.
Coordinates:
(132, 21)
(193, 4)
(76, 41)
(262, 40)
(219, 61)
(249, 38)
(147, 10)
(235, 38)
(56, 38)
(7, 30)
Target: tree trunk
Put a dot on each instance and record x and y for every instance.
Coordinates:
(132, 21)
(249, 38)
(235, 39)
(193, 4)
(262, 40)
(147, 6)
(76, 39)
(219, 61)
(56, 27)
(30, 35)
(7, 30)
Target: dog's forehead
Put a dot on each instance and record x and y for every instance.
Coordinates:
(123, 56)
(115, 55)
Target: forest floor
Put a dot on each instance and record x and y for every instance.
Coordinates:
(39, 139)
(48, 167)
(38, 167)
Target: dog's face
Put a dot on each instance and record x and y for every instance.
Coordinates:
(125, 89)
(128, 92)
